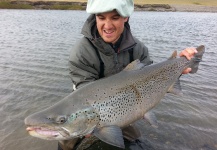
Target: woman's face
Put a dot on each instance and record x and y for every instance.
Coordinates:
(110, 26)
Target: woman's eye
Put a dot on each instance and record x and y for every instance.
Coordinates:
(115, 18)
(100, 18)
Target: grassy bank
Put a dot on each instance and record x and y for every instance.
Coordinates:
(56, 5)
(8, 5)
(141, 2)
(179, 2)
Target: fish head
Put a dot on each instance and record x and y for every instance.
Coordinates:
(81, 122)
(62, 122)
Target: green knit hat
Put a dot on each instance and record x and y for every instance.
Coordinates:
(123, 7)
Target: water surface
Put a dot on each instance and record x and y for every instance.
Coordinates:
(34, 52)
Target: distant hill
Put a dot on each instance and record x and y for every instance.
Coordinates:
(141, 5)
(141, 2)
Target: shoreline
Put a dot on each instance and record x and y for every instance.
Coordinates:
(66, 5)
(195, 8)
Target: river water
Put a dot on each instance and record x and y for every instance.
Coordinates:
(34, 51)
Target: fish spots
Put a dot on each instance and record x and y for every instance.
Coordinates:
(116, 107)
(92, 117)
(89, 114)
(73, 117)
(138, 93)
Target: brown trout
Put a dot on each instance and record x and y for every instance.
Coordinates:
(102, 108)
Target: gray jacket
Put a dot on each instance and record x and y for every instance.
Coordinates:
(84, 64)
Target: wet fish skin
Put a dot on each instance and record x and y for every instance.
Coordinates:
(105, 106)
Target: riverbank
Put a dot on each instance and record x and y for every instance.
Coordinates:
(71, 5)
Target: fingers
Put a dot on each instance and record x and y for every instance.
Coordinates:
(188, 52)
(186, 71)
(87, 136)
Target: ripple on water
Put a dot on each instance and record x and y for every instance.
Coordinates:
(34, 53)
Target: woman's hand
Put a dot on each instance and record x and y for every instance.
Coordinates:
(188, 53)
(87, 136)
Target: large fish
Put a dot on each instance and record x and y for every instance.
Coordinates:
(104, 107)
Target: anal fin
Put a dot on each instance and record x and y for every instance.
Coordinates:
(151, 118)
(176, 88)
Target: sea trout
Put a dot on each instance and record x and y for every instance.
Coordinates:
(104, 107)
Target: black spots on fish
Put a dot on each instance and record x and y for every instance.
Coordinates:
(72, 117)
(75, 115)
(49, 118)
(96, 105)
(116, 107)
(158, 79)
(93, 117)
(89, 114)
(176, 66)
(111, 96)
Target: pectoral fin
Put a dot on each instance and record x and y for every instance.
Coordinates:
(111, 135)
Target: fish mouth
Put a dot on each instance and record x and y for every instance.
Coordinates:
(47, 133)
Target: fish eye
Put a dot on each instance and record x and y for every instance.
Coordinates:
(61, 119)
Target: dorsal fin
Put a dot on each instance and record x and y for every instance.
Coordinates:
(136, 64)
(174, 55)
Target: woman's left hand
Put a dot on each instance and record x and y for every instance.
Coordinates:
(188, 53)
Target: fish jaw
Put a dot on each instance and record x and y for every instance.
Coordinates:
(47, 133)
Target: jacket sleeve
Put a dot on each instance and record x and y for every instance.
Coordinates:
(82, 64)
(141, 52)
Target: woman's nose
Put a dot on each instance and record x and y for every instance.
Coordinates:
(108, 24)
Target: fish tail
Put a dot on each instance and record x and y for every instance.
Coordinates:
(197, 59)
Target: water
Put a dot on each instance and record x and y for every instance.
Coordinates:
(34, 51)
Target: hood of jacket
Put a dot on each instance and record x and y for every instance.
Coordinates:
(89, 30)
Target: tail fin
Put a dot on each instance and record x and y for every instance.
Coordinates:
(197, 59)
